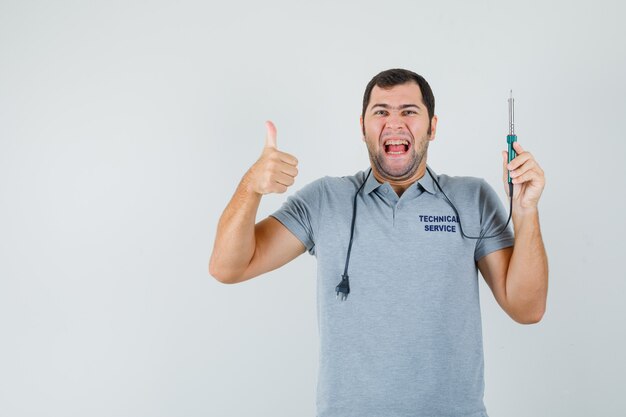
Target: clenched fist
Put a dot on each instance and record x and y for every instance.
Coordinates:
(275, 171)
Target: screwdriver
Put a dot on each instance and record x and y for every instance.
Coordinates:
(511, 137)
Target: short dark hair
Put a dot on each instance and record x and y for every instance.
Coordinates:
(397, 76)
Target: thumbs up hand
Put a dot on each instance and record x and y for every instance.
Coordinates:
(274, 171)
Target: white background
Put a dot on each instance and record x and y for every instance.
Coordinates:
(126, 126)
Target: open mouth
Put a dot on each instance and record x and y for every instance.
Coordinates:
(396, 146)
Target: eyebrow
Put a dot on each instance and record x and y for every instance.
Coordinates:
(387, 106)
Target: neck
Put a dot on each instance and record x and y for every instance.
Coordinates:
(400, 186)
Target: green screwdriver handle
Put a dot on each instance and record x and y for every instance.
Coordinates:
(510, 139)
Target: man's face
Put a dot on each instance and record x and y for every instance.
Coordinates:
(396, 131)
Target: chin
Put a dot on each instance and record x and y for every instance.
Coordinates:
(395, 172)
(398, 173)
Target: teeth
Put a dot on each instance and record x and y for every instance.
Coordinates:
(396, 142)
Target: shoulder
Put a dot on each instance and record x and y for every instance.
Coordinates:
(470, 190)
(329, 187)
(348, 183)
(336, 186)
(462, 184)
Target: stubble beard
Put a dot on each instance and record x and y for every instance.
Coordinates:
(378, 160)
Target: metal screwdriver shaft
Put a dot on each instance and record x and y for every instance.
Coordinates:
(511, 137)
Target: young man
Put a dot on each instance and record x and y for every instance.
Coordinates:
(407, 341)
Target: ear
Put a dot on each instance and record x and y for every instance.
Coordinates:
(433, 128)
(362, 128)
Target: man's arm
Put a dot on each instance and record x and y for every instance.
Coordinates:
(243, 249)
(518, 276)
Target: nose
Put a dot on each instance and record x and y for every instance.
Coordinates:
(394, 122)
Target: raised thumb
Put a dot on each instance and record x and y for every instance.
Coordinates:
(270, 137)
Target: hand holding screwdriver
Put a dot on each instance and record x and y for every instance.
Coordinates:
(522, 175)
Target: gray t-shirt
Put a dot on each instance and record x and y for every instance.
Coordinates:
(408, 340)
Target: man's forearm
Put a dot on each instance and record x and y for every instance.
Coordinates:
(235, 241)
(527, 277)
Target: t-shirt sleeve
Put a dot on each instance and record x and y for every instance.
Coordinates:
(300, 213)
(493, 217)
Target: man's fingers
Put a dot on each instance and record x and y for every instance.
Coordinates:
(284, 179)
(504, 163)
(276, 183)
(519, 160)
(276, 166)
(275, 170)
(530, 175)
(288, 159)
(290, 170)
(270, 137)
(270, 142)
(527, 166)
(281, 157)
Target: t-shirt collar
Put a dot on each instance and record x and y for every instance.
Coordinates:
(426, 182)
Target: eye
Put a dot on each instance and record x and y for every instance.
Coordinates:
(410, 112)
(380, 112)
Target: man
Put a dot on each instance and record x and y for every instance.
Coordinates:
(408, 340)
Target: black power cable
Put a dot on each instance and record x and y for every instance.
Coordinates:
(344, 286)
